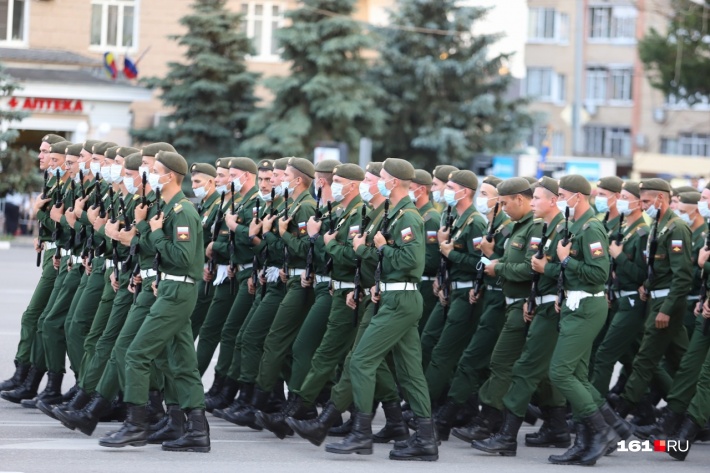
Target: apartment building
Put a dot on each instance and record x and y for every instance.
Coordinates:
(584, 75)
(55, 48)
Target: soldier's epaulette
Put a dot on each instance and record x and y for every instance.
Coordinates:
(427, 215)
(585, 226)
(560, 227)
(671, 226)
(339, 212)
(505, 231)
(642, 230)
(136, 197)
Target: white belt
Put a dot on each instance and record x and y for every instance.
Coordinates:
(493, 288)
(513, 300)
(398, 286)
(109, 264)
(49, 245)
(545, 299)
(343, 285)
(660, 293)
(693, 298)
(170, 277)
(295, 272)
(620, 294)
(461, 285)
(75, 259)
(320, 279)
(575, 297)
(64, 252)
(242, 267)
(428, 278)
(148, 273)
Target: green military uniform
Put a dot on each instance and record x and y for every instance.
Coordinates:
(432, 219)
(698, 238)
(208, 212)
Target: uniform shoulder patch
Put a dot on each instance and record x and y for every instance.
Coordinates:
(302, 228)
(177, 208)
(535, 243)
(183, 234)
(671, 226)
(676, 246)
(596, 249)
(408, 235)
(585, 226)
(431, 236)
(353, 231)
(506, 231)
(136, 197)
(642, 231)
(477, 242)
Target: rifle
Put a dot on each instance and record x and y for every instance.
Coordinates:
(255, 259)
(384, 230)
(481, 274)
(651, 260)
(40, 230)
(561, 277)
(532, 302)
(286, 254)
(212, 263)
(81, 237)
(127, 226)
(157, 258)
(232, 251)
(443, 274)
(137, 288)
(611, 283)
(319, 214)
(704, 289)
(358, 268)
(57, 228)
(272, 211)
(114, 243)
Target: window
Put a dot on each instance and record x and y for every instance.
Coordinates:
(596, 84)
(547, 25)
(13, 14)
(607, 141)
(114, 24)
(669, 146)
(262, 20)
(545, 85)
(620, 84)
(694, 144)
(609, 85)
(612, 23)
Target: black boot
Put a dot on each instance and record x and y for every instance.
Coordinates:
(644, 412)
(486, 424)
(294, 408)
(420, 446)
(687, 432)
(620, 405)
(27, 390)
(223, 397)
(21, 372)
(621, 427)
(80, 399)
(50, 397)
(504, 442)
(246, 392)
(359, 440)
(155, 407)
(87, 418)
(554, 431)
(134, 431)
(316, 430)
(196, 437)
(704, 434)
(664, 428)
(467, 413)
(574, 454)
(173, 429)
(395, 428)
(445, 418)
(344, 429)
(532, 414)
(69, 395)
(117, 412)
(246, 415)
(602, 438)
(217, 384)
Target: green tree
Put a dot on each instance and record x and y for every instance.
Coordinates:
(325, 97)
(446, 98)
(678, 60)
(211, 93)
(18, 169)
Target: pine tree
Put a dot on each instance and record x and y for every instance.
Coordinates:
(211, 93)
(445, 97)
(326, 96)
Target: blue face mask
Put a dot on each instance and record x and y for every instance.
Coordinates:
(221, 190)
(602, 204)
(382, 187)
(450, 197)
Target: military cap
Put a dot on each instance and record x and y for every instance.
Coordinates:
(512, 186)
(74, 149)
(399, 168)
(690, 197)
(172, 161)
(126, 150)
(349, 171)
(303, 165)
(707, 186)
(89, 145)
(223, 163)
(52, 138)
(610, 183)
(464, 178)
(422, 177)
(655, 184)
(100, 148)
(443, 171)
(576, 183)
(133, 161)
(60, 147)
(266, 165)
(374, 168)
(548, 183)
(327, 165)
(492, 180)
(281, 163)
(112, 152)
(632, 187)
(203, 168)
(153, 148)
(682, 189)
(243, 164)
(531, 180)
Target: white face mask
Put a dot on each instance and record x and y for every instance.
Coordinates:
(337, 191)
(221, 189)
(106, 173)
(562, 205)
(364, 189)
(153, 180)
(450, 197)
(143, 170)
(200, 192)
(82, 167)
(265, 197)
(623, 207)
(95, 168)
(686, 218)
(76, 178)
(279, 189)
(482, 205)
(237, 185)
(704, 209)
(116, 173)
(438, 197)
(412, 196)
(130, 186)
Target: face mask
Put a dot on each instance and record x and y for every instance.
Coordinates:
(116, 173)
(285, 185)
(602, 204)
(82, 167)
(106, 173)
(95, 168)
(365, 192)
(130, 186)
(61, 171)
(337, 190)
(143, 170)
(482, 205)
(677, 212)
(237, 185)
(623, 207)
(562, 205)
(200, 192)
(76, 178)
(686, 218)
(450, 197)
(652, 211)
(382, 187)
(265, 197)
(220, 190)
(704, 209)
(438, 197)
(412, 197)
(279, 189)
(50, 170)
(154, 181)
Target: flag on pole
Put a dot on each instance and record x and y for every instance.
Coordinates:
(110, 65)
(129, 68)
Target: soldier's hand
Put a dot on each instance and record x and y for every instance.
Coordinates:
(359, 240)
(250, 286)
(446, 247)
(557, 307)
(662, 320)
(283, 276)
(100, 222)
(442, 299)
(642, 293)
(379, 240)
(71, 217)
(538, 265)
(112, 229)
(435, 287)
(491, 268)
(615, 249)
(706, 309)
(350, 300)
(698, 310)
(137, 280)
(313, 227)
(373, 295)
(255, 227)
(328, 237)
(231, 272)
(38, 245)
(132, 288)
(56, 213)
(703, 256)
(231, 221)
(267, 223)
(114, 282)
(92, 214)
(562, 250)
(56, 263)
(208, 250)
(156, 223)
(472, 298)
(527, 316)
(262, 278)
(306, 282)
(80, 205)
(155, 288)
(141, 212)
(487, 247)
(126, 236)
(207, 275)
(39, 203)
(443, 235)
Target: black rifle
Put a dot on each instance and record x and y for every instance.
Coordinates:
(532, 302)
(444, 263)
(704, 289)
(81, 236)
(358, 268)
(255, 259)
(612, 282)
(232, 252)
(384, 230)
(57, 228)
(272, 211)
(651, 261)
(286, 253)
(481, 274)
(127, 226)
(137, 288)
(561, 277)
(212, 263)
(134, 248)
(40, 230)
(157, 258)
(114, 243)
(319, 214)
(69, 245)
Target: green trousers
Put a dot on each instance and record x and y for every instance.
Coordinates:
(75, 365)
(699, 409)
(473, 366)
(530, 372)
(689, 318)
(38, 356)
(39, 300)
(430, 300)
(336, 342)
(432, 332)
(620, 343)
(53, 336)
(201, 307)
(167, 326)
(686, 378)
(385, 387)
(250, 340)
(506, 352)
(211, 329)
(235, 319)
(669, 343)
(287, 322)
(394, 328)
(602, 334)
(310, 335)
(569, 367)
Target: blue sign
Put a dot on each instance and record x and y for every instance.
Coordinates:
(590, 171)
(504, 167)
